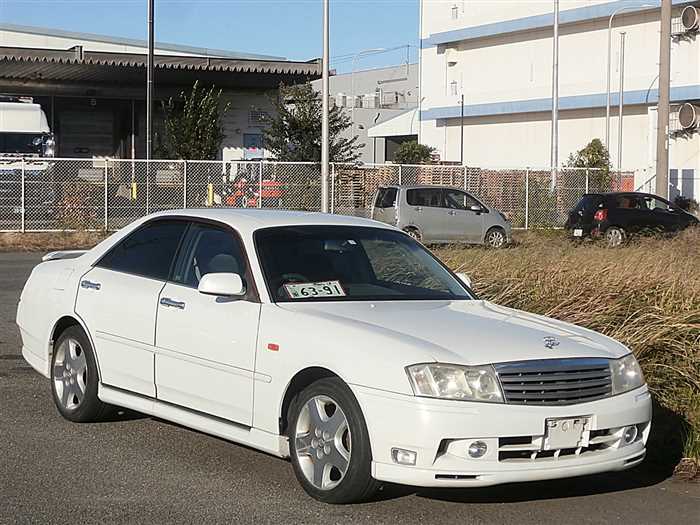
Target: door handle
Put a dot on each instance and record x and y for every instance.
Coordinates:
(451, 212)
(166, 301)
(89, 285)
(418, 208)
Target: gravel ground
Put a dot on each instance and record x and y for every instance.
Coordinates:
(138, 469)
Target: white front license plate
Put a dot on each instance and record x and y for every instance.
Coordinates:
(578, 232)
(565, 433)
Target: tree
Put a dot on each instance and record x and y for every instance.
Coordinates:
(594, 156)
(294, 133)
(192, 125)
(413, 153)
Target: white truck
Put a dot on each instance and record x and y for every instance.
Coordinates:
(25, 142)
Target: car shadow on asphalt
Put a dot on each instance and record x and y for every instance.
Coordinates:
(638, 477)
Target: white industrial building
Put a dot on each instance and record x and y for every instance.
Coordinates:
(498, 56)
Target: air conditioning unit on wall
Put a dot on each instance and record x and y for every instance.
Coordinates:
(689, 116)
(690, 19)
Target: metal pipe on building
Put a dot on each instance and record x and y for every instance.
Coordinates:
(325, 88)
(461, 133)
(622, 102)
(555, 98)
(149, 81)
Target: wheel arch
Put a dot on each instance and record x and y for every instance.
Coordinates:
(62, 324)
(299, 382)
(494, 227)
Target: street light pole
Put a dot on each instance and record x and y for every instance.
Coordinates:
(352, 81)
(461, 134)
(149, 81)
(325, 108)
(555, 99)
(664, 101)
(622, 102)
(608, 73)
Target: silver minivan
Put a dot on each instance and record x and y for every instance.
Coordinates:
(441, 214)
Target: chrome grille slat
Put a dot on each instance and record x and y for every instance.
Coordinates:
(555, 381)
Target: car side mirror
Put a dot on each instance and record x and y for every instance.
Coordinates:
(465, 279)
(222, 284)
(475, 208)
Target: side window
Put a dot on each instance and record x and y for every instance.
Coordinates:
(653, 203)
(630, 202)
(459, 200)
(209, 249)
(148, 252)
(386, 198)
(430, 197)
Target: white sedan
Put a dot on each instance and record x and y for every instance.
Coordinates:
(338, 342)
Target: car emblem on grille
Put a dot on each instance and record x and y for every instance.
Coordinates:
(550, 342)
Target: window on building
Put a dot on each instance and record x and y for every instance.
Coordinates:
(454, 12)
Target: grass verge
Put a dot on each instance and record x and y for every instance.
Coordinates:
(646, 295)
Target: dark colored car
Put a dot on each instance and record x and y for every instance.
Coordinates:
(615, 216)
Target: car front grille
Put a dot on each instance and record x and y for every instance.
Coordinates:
(555, 381)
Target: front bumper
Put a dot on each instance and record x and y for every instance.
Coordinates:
(440, 431)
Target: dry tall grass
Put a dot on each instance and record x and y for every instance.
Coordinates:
(48, 241)
(646, 295)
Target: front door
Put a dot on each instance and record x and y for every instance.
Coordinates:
(463, 223)
(206, 344)
(117, 301)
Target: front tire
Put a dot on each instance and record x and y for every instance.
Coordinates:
(74, 378)
(329, 444)
(495, 238)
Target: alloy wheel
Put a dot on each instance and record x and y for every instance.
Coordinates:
(70, 374)
(322, 442)
(614, 237)
(495, 239)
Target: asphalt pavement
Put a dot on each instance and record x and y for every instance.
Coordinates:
(137, 469)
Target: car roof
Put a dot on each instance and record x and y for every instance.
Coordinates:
(422, 186)
(251, 219)
(616, 193)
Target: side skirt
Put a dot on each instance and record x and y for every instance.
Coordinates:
(252, 437)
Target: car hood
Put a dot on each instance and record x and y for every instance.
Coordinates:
(468, 332)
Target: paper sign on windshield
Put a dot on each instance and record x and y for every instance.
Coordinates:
(309, 290)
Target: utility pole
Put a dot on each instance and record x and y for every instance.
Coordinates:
(324, 120)
(664, 101)
(555, 99)
(461, 135)
(149, 82)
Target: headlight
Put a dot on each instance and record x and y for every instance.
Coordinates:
(465, 383)
(626, 374)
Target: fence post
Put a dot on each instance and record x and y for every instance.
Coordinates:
(148, 189)
(527, 198)
(464, 176)
(400, 166)
(260, 184)
(23, 203)
(184, 184)
(332, 187)
(106, 195)
(587, 171)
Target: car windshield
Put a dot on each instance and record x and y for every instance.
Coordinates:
(340, 263)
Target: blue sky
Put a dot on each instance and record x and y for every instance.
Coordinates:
(290, 28)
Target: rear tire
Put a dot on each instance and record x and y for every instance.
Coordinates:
(615, 236)
(413, 233)
(74, 378)
(329, 444)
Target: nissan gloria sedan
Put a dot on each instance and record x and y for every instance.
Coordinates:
(338, 342)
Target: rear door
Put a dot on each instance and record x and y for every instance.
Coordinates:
(206, 344)
(384, 209)
(117, 301)
(661, 214)
(425, 209)
(463, 224)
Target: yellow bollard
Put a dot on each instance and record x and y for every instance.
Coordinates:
(134, 193)
(210, 194)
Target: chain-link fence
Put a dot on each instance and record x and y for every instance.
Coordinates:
(106, 194)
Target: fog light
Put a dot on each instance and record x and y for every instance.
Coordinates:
(630, 435)
(403, 457)
(477, 449)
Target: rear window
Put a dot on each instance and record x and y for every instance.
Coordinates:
(386, 198)
(589, 203)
